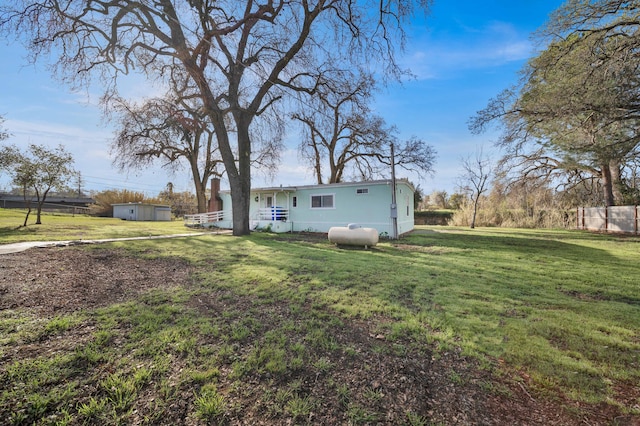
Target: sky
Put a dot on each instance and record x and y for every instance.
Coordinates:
(463, 53)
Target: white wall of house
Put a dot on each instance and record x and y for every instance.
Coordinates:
(317, 208)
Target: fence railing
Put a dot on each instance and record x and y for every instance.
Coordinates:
(273, 213)
(269, 213)
(622, 219)
(202, 218)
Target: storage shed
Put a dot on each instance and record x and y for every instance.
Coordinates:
(142, 211)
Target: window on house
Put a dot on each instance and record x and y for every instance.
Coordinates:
(362, 191)
(295, 201)
(322, 201)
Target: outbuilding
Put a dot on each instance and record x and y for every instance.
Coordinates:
(142, 211)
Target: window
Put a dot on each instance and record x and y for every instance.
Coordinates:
(295, 201)
(362, 191)
(322, 201)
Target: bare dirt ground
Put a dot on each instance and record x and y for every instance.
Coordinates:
(53, 281)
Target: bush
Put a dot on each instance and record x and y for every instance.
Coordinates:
(105, 200)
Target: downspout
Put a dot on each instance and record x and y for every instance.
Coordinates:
(394, 205)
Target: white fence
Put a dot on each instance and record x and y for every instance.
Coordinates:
(610, 219)
(202, 218)
(266, 214)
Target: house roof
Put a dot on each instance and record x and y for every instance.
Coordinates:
(327, 185)
(141, 204)
(50, 199)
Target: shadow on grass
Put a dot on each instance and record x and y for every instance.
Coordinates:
(552, 244)
(542, 301)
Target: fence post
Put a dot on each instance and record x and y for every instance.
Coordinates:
(578, 217)
(635, 220)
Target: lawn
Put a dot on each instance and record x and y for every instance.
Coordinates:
(289, 328)
(61, 227)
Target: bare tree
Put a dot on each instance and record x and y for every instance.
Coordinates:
(169, 130)
(243, 57)
(477, 171)
(3, 133)
(341, 134)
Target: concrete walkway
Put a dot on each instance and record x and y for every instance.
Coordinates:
(18, 247)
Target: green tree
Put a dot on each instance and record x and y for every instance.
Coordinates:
(418, 197)
(570, 117)
(241, 57)
(38, 171)
(4, 158)
(457, 200)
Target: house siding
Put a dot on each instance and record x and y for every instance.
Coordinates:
(142, 212)
(371, 209)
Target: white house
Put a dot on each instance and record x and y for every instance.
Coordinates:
(142, 211)
(316, 208)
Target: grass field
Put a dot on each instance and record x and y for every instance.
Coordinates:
(557, 311)
(60, 227)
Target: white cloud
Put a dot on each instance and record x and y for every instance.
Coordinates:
(495, 44)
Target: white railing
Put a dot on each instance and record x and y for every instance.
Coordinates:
(203, 218)
(269, 213)
(273, 213)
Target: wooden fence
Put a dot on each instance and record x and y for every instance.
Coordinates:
(622, 219)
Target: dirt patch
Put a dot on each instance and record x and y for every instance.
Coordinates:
(52, 281)
(393, 378)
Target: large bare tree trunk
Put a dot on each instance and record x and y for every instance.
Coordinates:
(607, 186)
(200, 184)
(241, 182)
(616, 183)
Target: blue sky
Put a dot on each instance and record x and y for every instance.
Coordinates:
(462, 54)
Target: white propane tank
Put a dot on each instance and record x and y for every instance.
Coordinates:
(353, 235)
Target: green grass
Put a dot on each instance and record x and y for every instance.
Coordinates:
(558, 311)
(62, 227)
(563, 306)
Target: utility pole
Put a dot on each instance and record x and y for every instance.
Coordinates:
(79, 184)
(394, 205)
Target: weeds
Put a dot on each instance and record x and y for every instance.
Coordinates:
(299, 407)
(210, 405)
(94, 409)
